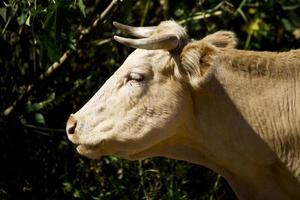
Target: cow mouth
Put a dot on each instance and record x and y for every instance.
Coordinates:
(81, 147)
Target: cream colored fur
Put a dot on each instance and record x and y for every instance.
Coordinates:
(234, 111)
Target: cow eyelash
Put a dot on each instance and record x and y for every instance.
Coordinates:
(133, 76)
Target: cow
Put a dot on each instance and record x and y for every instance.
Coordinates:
(234, 111)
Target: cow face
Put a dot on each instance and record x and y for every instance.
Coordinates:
(147, 100)
(139, 106)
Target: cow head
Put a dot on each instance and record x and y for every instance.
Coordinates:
(149, 98)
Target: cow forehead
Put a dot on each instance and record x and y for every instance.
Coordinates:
(151, 58)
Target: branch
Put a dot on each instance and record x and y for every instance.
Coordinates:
(201, 16)
(57, 65)
(215, 11)
(99, 19)
(54, 67)
(43, 128)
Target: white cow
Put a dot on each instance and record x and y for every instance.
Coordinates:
(234, 111)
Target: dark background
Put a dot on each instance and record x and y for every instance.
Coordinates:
(37, 94)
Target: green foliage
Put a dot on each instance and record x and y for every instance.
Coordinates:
(37, 161)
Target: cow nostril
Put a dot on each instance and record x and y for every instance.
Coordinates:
(71, 125)
(71, 130)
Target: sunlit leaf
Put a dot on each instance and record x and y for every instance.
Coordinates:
(252, 11)
(22, 18)
(76, 194)
(39, 118)
(179, 12)
(286, 24)
(3, 13)
(81, 7)
(67, 187)
(33, 107)
(254, 25)
(28, 21)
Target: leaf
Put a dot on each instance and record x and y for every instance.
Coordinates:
(254, 25)
(257, 27)
(49, 20)
(81, 7)
(39, 118)
(22, 18)
(101, 41)
(28, 21)
(252, 11)
(33, 107)
(38, 11)
(51, 48)
(291, 7)
(286, 24)
(77, 194)
(67, 187)
(72, 44)
(3, 13)
(179, 12)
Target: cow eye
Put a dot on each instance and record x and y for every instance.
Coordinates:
(133, 76)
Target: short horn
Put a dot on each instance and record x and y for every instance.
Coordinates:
(168, 42)
(140, 32)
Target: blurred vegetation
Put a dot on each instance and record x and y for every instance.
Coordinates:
(54, 54)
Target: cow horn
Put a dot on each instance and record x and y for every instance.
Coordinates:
(168, 42)
(140, 32)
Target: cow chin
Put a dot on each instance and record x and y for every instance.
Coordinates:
(89, 151)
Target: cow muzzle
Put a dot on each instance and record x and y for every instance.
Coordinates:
(71, 125)
(71, 129)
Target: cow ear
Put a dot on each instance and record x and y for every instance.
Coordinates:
(196, 59)
(221, 39)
